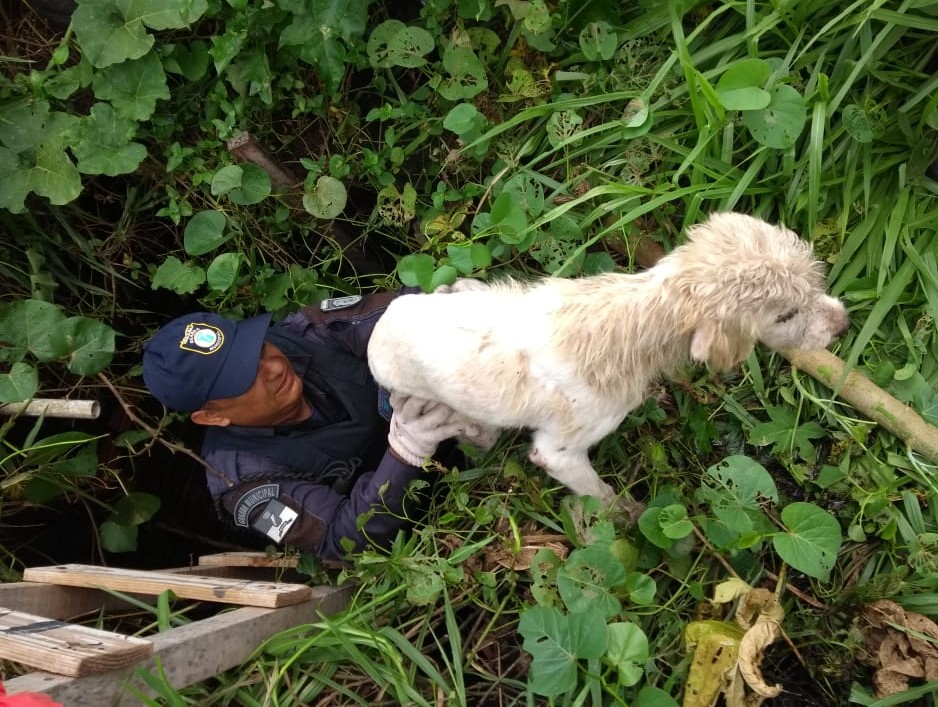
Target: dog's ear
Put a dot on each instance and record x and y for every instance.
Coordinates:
(719, 344)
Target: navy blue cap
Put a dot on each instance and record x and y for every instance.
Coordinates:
(201, 357)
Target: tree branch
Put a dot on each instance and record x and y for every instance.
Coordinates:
(869, 399)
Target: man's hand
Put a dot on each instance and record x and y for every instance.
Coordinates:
(418, 426)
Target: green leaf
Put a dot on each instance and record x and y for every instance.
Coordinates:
(19, 383)
(734, 489)
(91, 344)
(654, 697)
(103, 143)
(395, 44)
(181, 278)
(133, 87)
(135, 508)
(111, 31)
(641, 588)
(812, 541)
(509, 217)
(223, 271)
(244, 184)
(34, 157)
(784, 433)
(35, 326)
(468, 257)
(327, 199)
(627, 651)
(587, 580)
(462, 118)
(563, 126)
(779, 124)
(118, 538)
(416, 270)
(741, 85)
(465, 74)
(598, 41)
(205, 232)
(318, 29)
(858, 124)
(556, 641)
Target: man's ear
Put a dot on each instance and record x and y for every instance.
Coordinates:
(209, 418)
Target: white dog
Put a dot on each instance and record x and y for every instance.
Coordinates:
(569, 358)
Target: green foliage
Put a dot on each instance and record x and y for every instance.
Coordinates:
(475, 139)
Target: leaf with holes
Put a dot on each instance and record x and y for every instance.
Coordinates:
(780, 123)
(734, 489)
(392, 43)
(465, 74)
(563, 126)
(327, 199)
(587, 580)
(812, 540)
(598, 41)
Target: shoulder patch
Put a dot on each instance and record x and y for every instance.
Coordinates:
(250, 499)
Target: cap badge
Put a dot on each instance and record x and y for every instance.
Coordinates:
(202, 338)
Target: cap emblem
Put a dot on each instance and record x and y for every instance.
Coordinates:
(202, 338)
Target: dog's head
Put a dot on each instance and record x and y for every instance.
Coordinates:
(744, 280)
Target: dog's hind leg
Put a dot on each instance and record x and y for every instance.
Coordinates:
(570, 465)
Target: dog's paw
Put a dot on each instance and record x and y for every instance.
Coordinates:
(625, 512)
(463, 284)
(483, 439)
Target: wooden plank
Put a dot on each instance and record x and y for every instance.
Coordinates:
(247, 559)
(60, 602)
(64, 648)
(194, 586)
(188, 654)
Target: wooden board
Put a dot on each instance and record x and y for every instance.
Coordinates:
(64, 648)
(187, 654)
(246, 559)
(185, 586)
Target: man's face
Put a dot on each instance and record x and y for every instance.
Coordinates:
(274, 398)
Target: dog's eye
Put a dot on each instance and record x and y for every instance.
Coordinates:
(788, 316)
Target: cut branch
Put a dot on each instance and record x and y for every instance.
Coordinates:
(869, 399)
(245, 148)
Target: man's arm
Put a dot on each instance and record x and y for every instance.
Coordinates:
(316, 519)
(343, 323)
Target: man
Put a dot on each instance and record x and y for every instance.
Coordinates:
(301, 444)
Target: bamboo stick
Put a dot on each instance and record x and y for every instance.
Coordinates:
(50, 407)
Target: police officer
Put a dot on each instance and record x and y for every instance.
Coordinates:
(300, 442)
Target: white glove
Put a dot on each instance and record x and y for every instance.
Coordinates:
(484, 438)
(418, 426)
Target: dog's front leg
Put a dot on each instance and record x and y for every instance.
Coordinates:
(570, 465)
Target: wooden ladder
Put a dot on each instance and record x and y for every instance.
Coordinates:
(77, 665)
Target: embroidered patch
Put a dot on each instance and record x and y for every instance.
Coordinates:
(257, 495)
(275, 520)
(202, 338)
